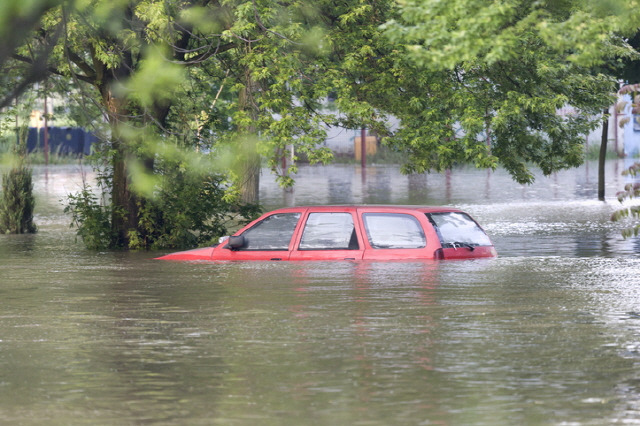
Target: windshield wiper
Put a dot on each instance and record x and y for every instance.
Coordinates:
(458, 244)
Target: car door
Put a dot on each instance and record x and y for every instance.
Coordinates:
(268, 239)
(328, 235)
(394, 236)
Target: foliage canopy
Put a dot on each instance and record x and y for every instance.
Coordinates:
(193, 93)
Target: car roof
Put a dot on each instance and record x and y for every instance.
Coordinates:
(366, 208)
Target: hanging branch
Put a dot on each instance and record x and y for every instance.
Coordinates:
(265, 29)
(38, 69)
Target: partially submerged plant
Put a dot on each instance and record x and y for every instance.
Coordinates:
(17, 201)
(632, 189)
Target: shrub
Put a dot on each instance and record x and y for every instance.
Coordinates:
(90, 218)
(17, 202)
(188, 210)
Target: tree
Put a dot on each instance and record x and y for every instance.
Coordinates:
(17, 19)
(495, 76)
(241, 80)
(136, 58)
(113, 51)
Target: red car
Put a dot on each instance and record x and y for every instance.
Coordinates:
(352, 233)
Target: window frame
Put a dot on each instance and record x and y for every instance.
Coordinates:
(412, 218)
(354, 233)
(261, 222)
(446, 243)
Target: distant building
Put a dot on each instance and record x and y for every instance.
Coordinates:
(62, 140)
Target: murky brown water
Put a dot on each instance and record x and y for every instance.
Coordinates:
(547, 333)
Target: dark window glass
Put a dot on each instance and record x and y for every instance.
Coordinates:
(455, 228)
(329, 231)
(272, 233)
(394, 230)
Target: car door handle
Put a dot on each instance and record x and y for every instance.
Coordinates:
(276, 258)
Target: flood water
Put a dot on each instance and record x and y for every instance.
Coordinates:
(547, 333)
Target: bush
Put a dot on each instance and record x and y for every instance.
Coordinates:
(17, 202)
(91, 219)
(189, 209)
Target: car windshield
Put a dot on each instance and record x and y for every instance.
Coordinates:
(455, 228)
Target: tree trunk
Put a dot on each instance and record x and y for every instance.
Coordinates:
(250, 184)
(603, 154)
(249, 160)
(124, 217)
(124, 206)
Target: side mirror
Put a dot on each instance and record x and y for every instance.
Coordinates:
(236, 243)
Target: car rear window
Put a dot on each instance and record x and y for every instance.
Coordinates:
(393, 230)
(329, 231)
(458, 228)
(272, 233)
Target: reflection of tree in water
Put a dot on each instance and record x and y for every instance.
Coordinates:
(635, 243)
(593, 244)
(378, 186)
(340, 191)
(417, 188)
(23, 244)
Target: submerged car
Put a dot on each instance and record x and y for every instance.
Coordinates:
(351, 233)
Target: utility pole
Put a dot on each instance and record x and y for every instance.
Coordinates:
(46, 130)
(603, 154)
(363, 148)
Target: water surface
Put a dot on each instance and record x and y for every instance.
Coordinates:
(547, 333)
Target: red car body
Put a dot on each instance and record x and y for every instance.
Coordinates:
(329, 233)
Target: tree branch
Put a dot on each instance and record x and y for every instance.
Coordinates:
(90, 73)
(261, 25)
(38, 69)
(209, 53)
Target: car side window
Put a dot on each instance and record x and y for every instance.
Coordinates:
(329, 231)
(272, 233)
(394, 230)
